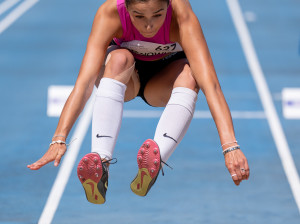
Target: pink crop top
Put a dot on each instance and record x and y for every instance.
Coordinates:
(143, 48)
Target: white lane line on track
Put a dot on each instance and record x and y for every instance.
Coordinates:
(6, 5)
(198, 114)
(15, 14)
(67, 164)
(265, 95)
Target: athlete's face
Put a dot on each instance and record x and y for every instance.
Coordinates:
(148, 17)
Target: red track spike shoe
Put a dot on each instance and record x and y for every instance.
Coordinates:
(149, 163)
(93, 175)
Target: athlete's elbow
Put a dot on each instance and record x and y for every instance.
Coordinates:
(211, 87)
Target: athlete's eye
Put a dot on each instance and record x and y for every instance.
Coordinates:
(158, 15)
(139, 17)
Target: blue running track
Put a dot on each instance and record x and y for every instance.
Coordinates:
(42, 43)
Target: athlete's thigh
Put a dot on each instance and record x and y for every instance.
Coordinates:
(158, 90)
(133, 86)
(107, 57)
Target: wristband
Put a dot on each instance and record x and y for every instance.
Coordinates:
(230, 149)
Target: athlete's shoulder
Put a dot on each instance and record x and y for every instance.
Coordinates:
(107, 19)
(182, 9)
(183, 17)
(108, 9)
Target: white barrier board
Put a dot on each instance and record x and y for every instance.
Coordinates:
(57, 96)
(291, 103)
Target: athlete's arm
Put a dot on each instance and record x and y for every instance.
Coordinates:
(106, 25)
(192, 40)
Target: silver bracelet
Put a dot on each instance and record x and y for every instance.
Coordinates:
(61, 142)
(229, 143)
(230, 149)
(57, 142)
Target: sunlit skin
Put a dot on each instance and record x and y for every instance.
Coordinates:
(148, 17)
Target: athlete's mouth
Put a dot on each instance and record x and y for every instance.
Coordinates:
(149, 34)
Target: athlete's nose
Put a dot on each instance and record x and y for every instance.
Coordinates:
(149, 26)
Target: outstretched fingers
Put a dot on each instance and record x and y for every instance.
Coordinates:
(58, 157)
(40, 163)
(35, 166)
(54, 153)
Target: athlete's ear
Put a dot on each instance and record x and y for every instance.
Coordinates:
(126, 5)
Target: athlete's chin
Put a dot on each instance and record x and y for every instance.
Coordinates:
(149, 35)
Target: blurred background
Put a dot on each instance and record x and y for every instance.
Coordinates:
(255, 46)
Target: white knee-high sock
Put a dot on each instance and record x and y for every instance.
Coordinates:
(107, 116)
(175, 120)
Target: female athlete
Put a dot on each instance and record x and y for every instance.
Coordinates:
(154, 49)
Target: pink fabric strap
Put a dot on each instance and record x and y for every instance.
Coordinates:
(131, 33)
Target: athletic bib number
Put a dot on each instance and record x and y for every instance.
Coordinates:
(166, 47)
(149, 49)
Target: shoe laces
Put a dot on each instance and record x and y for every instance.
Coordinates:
(106, 163)
(110, 161)
(162, 170)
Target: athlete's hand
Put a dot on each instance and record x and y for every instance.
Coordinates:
(237, 166)
(54, 153)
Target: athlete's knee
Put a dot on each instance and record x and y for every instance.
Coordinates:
(186, 79)
(119, 60)
(119, 65)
